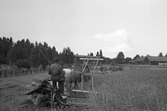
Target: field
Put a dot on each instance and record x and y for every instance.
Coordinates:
(12, 90)
(133, 89)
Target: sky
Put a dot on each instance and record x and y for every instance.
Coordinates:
(131, 26)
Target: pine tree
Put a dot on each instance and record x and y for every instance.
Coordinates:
(101, 53)
(97, 54)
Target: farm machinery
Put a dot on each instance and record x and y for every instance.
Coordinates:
(47, 96)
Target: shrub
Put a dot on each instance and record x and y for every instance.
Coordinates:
(23, 63)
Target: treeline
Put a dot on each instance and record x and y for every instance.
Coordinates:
(25, 54)
(119, 59)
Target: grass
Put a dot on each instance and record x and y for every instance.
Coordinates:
(131, 90)
(127, 90)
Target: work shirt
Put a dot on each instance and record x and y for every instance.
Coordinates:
(56, 70)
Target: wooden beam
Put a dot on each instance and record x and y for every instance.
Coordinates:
(83, 91)
(84, 57)
(91, 59)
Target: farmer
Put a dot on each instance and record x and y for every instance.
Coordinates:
(57, 75)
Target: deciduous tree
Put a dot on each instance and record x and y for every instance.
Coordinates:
(120, 57)
(136, 56)
(160, 54)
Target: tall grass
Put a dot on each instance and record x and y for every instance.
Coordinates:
(131, 90)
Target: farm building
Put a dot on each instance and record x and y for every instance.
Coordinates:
(139, 60)
(151, 60)
(156, 60)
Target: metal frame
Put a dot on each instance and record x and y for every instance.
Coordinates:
(87, 59)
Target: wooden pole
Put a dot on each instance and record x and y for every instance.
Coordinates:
(93, 74)
(82, 79)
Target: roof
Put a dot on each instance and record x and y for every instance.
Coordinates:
(84, 57)
(154, 58)
(138, 59)
(151, 58)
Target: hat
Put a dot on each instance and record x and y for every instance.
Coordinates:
(56, 59)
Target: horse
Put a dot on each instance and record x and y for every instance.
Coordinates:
(73, 77)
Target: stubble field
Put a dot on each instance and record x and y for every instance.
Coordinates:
(127, 90)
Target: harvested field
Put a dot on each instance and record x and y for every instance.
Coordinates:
(12, 90)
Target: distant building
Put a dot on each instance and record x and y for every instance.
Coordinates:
(139, 60)
(151, 60)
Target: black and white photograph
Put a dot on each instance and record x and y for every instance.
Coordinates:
(83, 55)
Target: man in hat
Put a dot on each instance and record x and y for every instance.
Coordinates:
(57, 74)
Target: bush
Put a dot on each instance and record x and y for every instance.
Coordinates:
(23, 63)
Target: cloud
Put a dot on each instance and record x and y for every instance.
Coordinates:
(115, 42)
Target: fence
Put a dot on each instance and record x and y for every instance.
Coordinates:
(9, 71)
